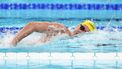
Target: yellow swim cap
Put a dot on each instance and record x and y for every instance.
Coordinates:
(89, 24)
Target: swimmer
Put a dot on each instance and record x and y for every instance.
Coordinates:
(51, 29)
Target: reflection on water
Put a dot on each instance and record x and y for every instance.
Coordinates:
(60, 64)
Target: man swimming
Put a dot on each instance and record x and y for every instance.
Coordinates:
(51, 29)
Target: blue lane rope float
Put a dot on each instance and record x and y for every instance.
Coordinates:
(4, 29)
(59, 6)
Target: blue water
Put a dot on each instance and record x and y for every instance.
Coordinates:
(106, 39)
(47, 64)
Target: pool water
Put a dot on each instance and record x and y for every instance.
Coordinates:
(100, 49)
(52, 65)
(107, 37)
(107, 18)
(57, 60)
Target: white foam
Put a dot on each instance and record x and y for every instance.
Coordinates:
(97, 37)
(6, 40)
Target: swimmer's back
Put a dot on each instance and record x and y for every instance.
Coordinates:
(43, 26)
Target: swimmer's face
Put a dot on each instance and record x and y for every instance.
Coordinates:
(82, 28)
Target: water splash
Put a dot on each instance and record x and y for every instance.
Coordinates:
(5, 40)
(89, 38)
